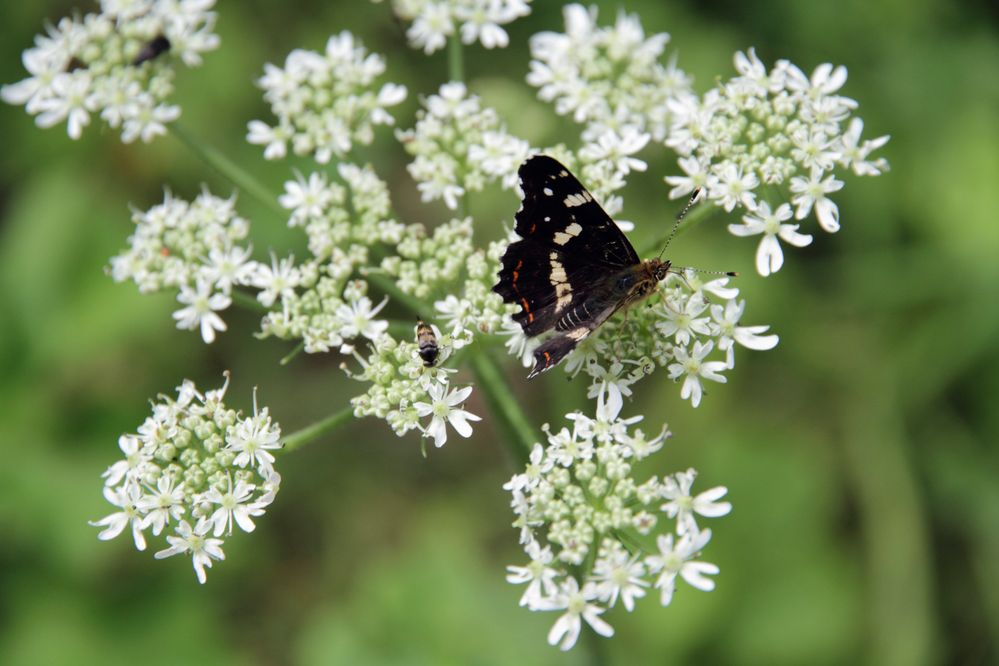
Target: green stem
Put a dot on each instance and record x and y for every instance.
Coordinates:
(596, 648)
(229, 169)
(388, 286)
(503, 403)
(455, 59)
(300, 437)
(292, 354)
(248, 301)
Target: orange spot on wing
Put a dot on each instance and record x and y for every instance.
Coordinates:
(527, 309)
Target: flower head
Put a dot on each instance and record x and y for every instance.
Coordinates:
(433, 22)
(766, 136)
(580, 510)
(325, 102)
(118, 64)
(610, 78)
(195, 466)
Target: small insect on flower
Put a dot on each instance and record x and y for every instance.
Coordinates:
(572, 268)
(427, 341)
(152, 50)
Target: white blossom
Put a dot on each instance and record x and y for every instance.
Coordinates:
(444, 409)
(769, 257)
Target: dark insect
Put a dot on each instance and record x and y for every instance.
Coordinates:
(75, 64)
(153, 49)
(427, 341)
(573, 267)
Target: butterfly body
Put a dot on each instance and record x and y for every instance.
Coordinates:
(573, 268)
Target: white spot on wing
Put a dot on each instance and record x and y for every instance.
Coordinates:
(578, 334)
(571, 231)
(577, 199)
(548, 191)
(559, 280)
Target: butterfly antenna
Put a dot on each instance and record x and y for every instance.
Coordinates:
(679, 270)
(679, 218)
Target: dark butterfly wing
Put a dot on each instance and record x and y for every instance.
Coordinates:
(557, 347)
(558, 212)
(569, 245)
(564, 269)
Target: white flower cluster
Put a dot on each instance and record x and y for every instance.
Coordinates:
(194, 468)
(459, 146)
(403, 390)
(587, 524)
(325, 102)
(478, 308)
(424, 264)
(676, 330)
(763, 137)
(609, 78)
(118, 64)
(194, 248)
(320, 300)
(434, 21)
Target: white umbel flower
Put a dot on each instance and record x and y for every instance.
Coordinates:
(444, 409)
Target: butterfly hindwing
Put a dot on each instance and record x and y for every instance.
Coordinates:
(548, 284)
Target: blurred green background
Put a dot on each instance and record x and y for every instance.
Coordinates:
(860, 454)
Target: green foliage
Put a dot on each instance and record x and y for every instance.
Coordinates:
(860, 455)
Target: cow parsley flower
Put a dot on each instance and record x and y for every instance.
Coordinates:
(583, 516)
(193, 248)
(609, 78)
(202, 305)
(578, 606)
(769, 257)
(402, 390)
(325, 102)
(434, 21)
(190, 470)
(768, 136)
(118, 64)
(681, 506)
(679, 559)
(444, 409)
(690, 365)
(192, 541)
(458, 147)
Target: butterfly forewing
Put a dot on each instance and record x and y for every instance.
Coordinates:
(560, 213)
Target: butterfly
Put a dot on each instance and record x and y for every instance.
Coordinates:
(572, 268)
